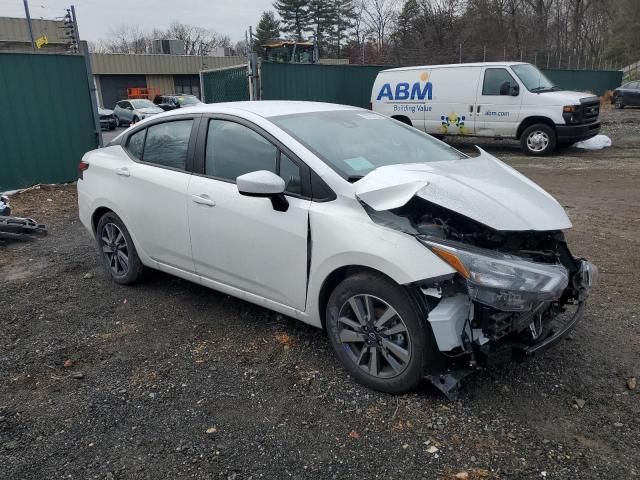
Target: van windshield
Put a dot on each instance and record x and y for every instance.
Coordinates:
(533, 79)
(355, 142)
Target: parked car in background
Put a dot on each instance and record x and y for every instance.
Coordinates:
(408, 252)
(493, 99)
(627, 95)
(108, 120)
(135, 109)
(173, 101)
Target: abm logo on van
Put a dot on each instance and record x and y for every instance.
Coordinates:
(406, 91)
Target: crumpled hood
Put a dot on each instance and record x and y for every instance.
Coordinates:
(481, 188)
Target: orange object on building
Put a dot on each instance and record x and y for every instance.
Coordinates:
(148, 93)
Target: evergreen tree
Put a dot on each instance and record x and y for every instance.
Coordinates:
(344, 13)
(295, 16)
(323, 18)
(268, 29)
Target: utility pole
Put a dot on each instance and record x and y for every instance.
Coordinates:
(484, 54)
(26, 12)
(92, 84)
(460, 55)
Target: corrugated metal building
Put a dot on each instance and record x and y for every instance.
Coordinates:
(115, 72)
(14, 34)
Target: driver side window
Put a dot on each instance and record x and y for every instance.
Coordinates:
(234, 149)
(494, 78)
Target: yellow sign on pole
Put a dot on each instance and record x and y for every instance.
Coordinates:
(42, 41)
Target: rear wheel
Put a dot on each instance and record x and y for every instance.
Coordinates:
(379, 334)
(538, 140)
(619, 103)
(117, 251)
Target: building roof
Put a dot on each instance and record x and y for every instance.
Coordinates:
(158, 64)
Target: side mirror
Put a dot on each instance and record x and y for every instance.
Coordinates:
(505, 88)
(265, 184)
(515, 90)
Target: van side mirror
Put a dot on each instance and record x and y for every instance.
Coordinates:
(265, 184)
(505, 88)
(515, 90)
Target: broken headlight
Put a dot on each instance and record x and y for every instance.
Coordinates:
(504, 282)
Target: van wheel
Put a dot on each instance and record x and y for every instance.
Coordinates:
(538, 140)
(377, 331)
(403, 119)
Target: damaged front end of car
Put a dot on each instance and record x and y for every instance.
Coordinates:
(514, 293)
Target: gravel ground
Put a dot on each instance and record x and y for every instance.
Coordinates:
(167, 379)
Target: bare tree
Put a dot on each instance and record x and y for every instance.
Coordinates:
(377, 16)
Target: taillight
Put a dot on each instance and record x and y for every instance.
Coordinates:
(82, 166)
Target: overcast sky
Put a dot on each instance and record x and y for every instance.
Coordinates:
(96, 17)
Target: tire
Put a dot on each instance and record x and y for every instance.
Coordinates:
(619, 103)
(538, 140)
(411, 346)
(135, 120)
(114, 242)
(403, 119)
(117, 121)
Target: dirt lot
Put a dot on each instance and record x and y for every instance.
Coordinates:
(170, 380)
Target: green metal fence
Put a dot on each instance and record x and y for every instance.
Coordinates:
(228, 84)
(594, 81)
(46, 122)
(345, 84)
(351, 84)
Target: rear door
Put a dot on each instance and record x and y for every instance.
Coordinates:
(497, 110)
(452, 110)
(154, 189)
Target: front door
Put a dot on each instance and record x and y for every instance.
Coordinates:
(242, 241)
(498, 106)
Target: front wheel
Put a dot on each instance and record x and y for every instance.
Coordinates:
(538, 140)
(619, 103)
(117, 251)
(379, 334)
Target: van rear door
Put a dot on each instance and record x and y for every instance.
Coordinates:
(453, 106)
(499, 102)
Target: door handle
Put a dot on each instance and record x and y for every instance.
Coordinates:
(123, 172)
(470, 108)
(203, 200)
(478, 110)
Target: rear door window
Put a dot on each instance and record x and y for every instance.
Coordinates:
(167, 143)
(135, 144)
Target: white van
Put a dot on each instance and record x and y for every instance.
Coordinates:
(492, 99)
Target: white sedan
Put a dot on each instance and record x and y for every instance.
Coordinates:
(417, 260)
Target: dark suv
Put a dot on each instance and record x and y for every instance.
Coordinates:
(171, 102)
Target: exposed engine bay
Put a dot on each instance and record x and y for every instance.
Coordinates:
(475, 321)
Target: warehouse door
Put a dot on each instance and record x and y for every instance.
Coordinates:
(114, 87)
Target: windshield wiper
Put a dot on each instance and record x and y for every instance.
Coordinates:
(545, 89)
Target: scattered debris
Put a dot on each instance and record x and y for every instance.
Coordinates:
(68, 364)
(432, 449)
(5, 208)
(212, 430)
(354, 434)
(78, 375)
(618, 425)
(578, 403)
(87, 276)
(462, 476)
(19, 229)
(632, 383)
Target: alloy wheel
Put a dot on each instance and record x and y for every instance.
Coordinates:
(115, 249)
(374, 336)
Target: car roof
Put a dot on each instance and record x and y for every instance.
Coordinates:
(457, 65)
(265, 108)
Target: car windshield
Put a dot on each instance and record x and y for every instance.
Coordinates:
(355, 142)
(188, 100)
(142, 103)
(533, 79)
